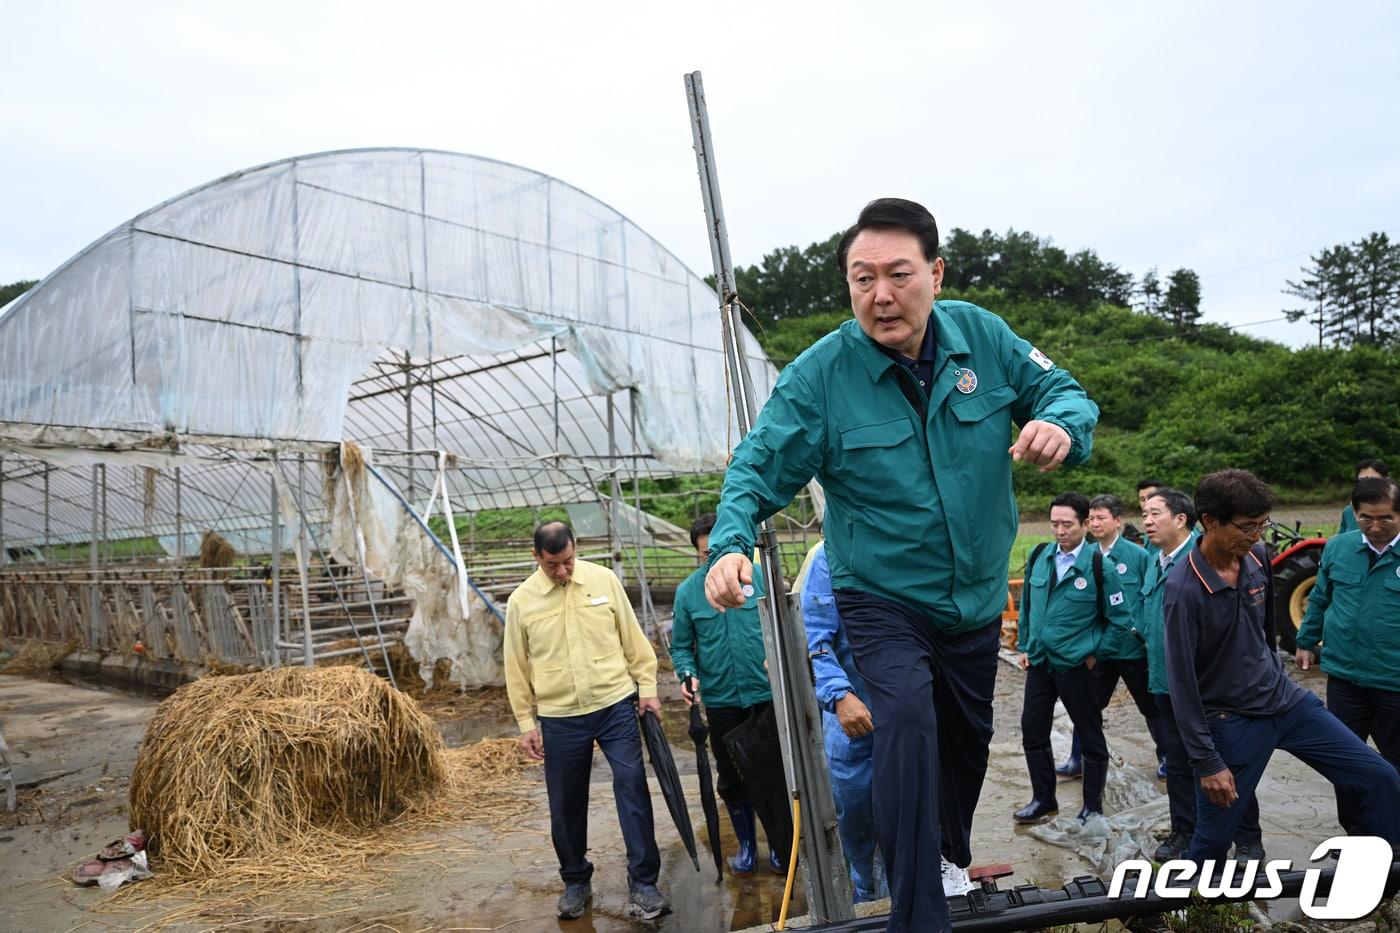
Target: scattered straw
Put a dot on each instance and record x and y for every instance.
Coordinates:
(36, 657)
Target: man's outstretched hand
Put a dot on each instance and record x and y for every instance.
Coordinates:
(726, 579)
(1042, 443)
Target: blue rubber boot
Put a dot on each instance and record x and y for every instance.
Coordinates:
(742, 862)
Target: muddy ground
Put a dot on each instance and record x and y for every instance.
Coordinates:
(74, 747)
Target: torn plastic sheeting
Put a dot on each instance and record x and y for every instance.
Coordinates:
(398, 552)
(1126, 832)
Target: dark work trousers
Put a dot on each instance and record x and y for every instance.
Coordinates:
(568, 761)
(1077, 688)
(1181, 783)
(931, 701)
(723, 720)
(1317, 738)
(1371, 713)
(1134, 676)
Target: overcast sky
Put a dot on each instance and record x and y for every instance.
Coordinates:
(1232, 138)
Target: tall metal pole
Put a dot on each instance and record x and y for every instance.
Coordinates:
(829, 891)
(305, 559)
(2, 512)
(648, 610)
(106, 542)
(614, 493)
(179, 520)
(408, 425)
(276, 659)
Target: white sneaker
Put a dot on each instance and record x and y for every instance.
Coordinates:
(955, 880)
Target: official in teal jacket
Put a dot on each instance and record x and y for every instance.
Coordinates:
(904, 414)
(1129, 662)
(1373, 469)
(1353, 622)
(1068, 621)
(719, 655)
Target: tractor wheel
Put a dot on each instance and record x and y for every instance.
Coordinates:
(1294, 577)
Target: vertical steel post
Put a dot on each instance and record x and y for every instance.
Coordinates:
(276, 548)
(408, 425)
(179, 520)
(614, 491)
(3, 557)
(305, 559)
(106, 541)
(648, 610)
(829, 893)
(94, 599)
(47, 468)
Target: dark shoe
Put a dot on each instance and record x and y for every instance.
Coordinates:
(1162, 770)
(575, 901)
(645, 902)
(1036, 811)
(1085, 814)
(1072, 767)
(775, 864)
(745, 830)
(1249, 851)
(1174, 846)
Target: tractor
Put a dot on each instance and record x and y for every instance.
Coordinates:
(1295, 558)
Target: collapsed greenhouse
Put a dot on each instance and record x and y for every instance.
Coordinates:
(332, 366)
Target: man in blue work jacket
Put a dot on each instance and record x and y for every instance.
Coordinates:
(905, 416)
(1073, 612)
(847, 728)
(1366, 469)
(1353, 622)
(722, 654)
(1169, 518)
(1233, 701)
(1129, 663)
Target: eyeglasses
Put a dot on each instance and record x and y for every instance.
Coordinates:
(704, 555)
(1254, 531)
(1369, 520)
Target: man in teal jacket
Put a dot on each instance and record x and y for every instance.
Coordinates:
(721, 654)
(1073, 612)
(1129, 662)
(1353, 622)
(1372, 469)
(905, 416)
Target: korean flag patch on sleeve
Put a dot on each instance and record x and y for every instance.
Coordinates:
(1041, 360)
(1116, 599)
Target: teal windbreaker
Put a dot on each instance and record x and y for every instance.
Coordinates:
(1149, 619)
(1129, 562)
(919, 509)
(1354, 613)
(724, 650)
(1059, 622)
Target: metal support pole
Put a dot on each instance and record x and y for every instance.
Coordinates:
(106, 541)
(94, 519)
(276, 548)
(3, 557)
(47, 468)
(305, 560)
(94, 634)
(829, 893)
(408, 425)
(179, 519)
(614, 493)
(648, 610)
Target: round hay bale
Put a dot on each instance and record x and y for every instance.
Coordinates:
(251, 766)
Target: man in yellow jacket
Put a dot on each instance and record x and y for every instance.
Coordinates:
(579, 670)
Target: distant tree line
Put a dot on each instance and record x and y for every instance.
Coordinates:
(1352, 293)
(9, 293)
(794, 281)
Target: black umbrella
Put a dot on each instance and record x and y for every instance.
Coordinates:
(699, 734)
(754, 747)
(664, 764)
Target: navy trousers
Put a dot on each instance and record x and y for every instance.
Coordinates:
(1319, 740)
(1181, 783)
(1371, 713)
(1134, 676)
(931, 700)
(1078, 689)
(568, 761)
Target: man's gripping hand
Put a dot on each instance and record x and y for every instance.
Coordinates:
(726, 579)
